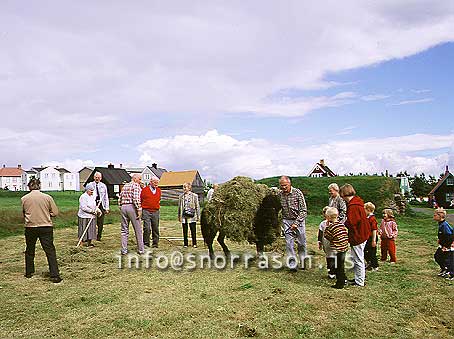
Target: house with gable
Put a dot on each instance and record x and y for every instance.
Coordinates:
(171, 184)
(113, 177)
(147, 172)
(12, 178)
(443, 192)
(321, 170)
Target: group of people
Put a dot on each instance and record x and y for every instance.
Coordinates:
(349, 223)
(137, 202)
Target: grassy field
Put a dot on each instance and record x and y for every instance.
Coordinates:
(97, 299)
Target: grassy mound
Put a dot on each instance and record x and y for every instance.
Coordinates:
(379, 190)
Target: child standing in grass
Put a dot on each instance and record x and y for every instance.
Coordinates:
(388, 234)
(370, 251)
(444, 256)
(324, 244)
(337, 234)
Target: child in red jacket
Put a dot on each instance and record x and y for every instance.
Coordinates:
(370, 251)
(388, 234)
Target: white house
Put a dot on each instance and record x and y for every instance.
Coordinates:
(321, 170)
(68, 180)
(12, 178)
(54, 178)
(50, 178)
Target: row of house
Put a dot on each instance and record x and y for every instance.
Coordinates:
(171, 183)
(52, 178)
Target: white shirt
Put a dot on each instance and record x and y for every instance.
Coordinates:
(87, 206)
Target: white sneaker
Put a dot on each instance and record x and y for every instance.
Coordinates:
(374, 269)
(332, 276)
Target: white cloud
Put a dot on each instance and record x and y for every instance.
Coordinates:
(415, 101)
(74, 75)
(220, 157)
(149, 57)
(374, 97)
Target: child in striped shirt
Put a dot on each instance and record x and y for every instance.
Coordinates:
(324, 244)
(337, 234)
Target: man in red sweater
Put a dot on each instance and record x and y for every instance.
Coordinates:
(151, 198)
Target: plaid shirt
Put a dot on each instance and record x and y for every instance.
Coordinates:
(293, 205)
(130, 194)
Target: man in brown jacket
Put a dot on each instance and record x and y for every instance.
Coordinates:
(38, 208)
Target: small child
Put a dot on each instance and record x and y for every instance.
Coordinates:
(388, 234)
(337, 234)
(370, 251)
(444, 256)
(324, 244)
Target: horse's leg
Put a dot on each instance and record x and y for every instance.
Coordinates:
(209, 243)
(260, 248)
(221, 242)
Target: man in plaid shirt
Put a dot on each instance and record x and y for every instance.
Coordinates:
(294, 212)
(131, 210)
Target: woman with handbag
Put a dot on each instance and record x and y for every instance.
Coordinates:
(188, 213)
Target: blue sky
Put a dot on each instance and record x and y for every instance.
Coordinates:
(226, 89)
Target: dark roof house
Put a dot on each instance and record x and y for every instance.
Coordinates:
(114, 178)
(321, 170)
(443, 192)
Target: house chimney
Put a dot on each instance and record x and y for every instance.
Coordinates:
(4, 165)
(154, 165)
(110, 166)
(447, 170)
(322, 162)
(121, 165)
(19, 166)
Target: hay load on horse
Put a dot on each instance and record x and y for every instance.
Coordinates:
(241, 210)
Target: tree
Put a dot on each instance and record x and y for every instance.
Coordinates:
(420, 186)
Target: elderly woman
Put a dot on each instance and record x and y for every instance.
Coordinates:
(87, 215)
(335, 200)
(358, 231)
(188, 213)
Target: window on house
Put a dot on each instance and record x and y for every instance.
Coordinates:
(7, 180)
(50, 184)
(14, 179)
(449, 197)
(46, 175)
(53, 175)
(450, 181)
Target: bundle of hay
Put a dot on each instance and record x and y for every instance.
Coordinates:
(241, 210)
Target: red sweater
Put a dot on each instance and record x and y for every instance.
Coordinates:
(357, 223)
(150, 201)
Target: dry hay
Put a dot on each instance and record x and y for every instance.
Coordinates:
(242, 209)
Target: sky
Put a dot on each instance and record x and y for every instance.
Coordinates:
(228, 88)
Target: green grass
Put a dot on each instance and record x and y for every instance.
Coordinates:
(97, 299)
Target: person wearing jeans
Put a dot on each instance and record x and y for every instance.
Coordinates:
(358, 231)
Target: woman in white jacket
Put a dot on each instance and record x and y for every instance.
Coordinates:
(87, 215)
